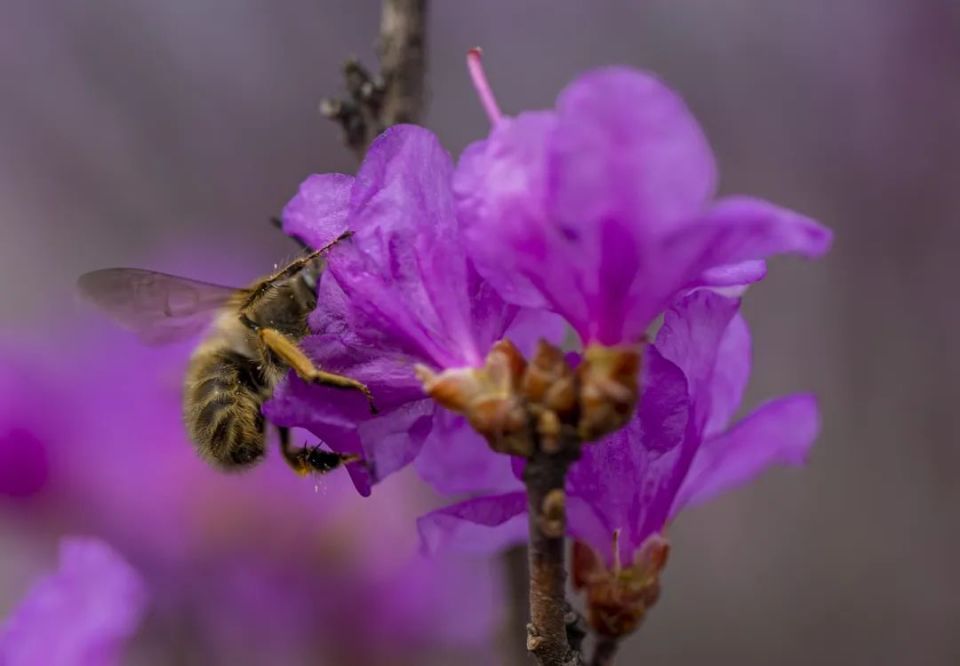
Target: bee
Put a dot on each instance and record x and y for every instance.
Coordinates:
(251, 343)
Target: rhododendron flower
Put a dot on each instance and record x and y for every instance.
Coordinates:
(603, 209)
(82, 614)
(399, 292)
(679, 450)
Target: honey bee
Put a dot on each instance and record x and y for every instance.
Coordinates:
(251, 343)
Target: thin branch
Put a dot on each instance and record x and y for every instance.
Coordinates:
(547, 632)
(605, 650)
(403, 60)
(375, 102)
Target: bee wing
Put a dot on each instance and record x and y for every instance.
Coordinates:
(159, 308)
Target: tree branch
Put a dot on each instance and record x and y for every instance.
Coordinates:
(396, 95)
(544, 476)
(403, 60)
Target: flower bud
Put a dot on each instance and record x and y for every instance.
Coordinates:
(617, 598)
(609, 379)
(487, 396)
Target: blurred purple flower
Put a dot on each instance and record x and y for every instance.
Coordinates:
(25, 428)
(678, 451)
(603, 209)
(400, 291)
(81, 615)
(288, 562)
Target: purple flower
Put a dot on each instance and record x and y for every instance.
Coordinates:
(401, 291)
(25, 429)
(600, 211)
(603, 209)
(679, 449)
(81, 615)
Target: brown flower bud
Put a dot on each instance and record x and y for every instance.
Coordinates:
(518, 407)
(549, 429)
(549, 381)
(609, 378)
(487, 396)
(553, 514)
(617, 598)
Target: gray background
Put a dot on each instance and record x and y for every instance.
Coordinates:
(130, 127)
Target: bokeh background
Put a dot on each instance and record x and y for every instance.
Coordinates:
(166, 134)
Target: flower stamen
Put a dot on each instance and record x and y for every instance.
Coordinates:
(482, 86)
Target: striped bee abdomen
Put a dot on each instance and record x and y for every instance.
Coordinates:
(223, 395)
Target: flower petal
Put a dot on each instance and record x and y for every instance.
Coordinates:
(731, 373)
(346, 344)
(318, 213)
(627, 147)
(713, 248)
(531, 326)
(691, 336)
(405, 267)
(739, 229)
(733, 275)
(649, 457)
(586, 523)
(578, 197)
(780, 432)
(599, 210)
(481, 525)
(392, 440)
(455, 459)
(499, 187)
(81, 614)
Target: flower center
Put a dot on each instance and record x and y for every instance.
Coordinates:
(479, 78)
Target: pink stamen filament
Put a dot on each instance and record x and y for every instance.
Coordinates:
(479, 77)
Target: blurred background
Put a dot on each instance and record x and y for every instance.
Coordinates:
(165, 135)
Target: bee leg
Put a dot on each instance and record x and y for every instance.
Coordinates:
(311, 459)
(287, 272)
(291, 354)
(294, 457)
(288, 454)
